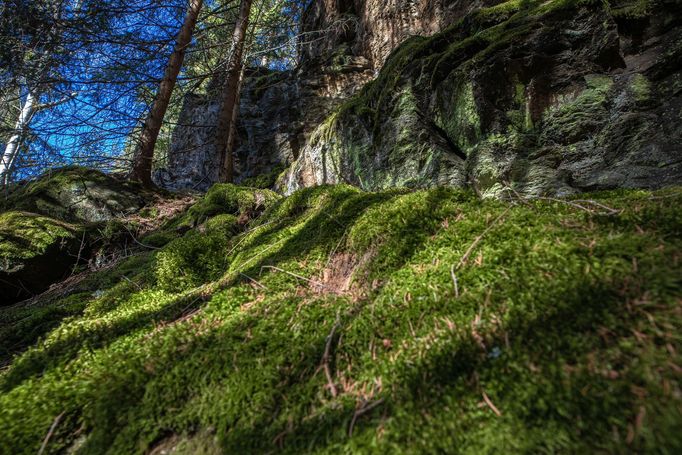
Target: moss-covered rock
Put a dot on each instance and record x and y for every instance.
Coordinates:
(35, 251)
(227, 198)
(77, 194)
(544, 76)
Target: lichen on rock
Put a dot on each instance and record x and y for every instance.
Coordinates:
(559, 78)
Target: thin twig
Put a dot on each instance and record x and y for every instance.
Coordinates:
(132, 282)
(366, 407)
(295, 275)
(491, 405)
(454, 280)
(609, 210)
(478, 239)
(50, 432)
(256, 282)
(327, 356)
(137, 241)
(78, 258)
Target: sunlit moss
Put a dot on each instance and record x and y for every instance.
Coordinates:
(550, 312)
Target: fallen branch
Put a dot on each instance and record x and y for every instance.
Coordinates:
(50, 432)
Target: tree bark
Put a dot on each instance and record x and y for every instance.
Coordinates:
(226, 130)
(12, 147)
(142, 163)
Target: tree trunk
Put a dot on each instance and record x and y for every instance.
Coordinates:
(226, 131)
(14, 142)
(142, 164)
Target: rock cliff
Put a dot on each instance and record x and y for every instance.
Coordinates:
(343, 46)
(550, 97)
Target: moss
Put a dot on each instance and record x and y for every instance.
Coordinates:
(641, 89)
(631, 9)
(226, 225)
(577, 118)
(459, 117)
(159, 239)
(77, 194)
(266, 180)
(230, 199)
(26, 235)
(558, 314)
(190, 261)
(263, 82)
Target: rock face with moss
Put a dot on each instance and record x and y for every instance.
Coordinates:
(35, 251)
(78, 195)
(549, 97)
(344, 45)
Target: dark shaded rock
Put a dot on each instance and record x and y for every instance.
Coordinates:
(36, 251)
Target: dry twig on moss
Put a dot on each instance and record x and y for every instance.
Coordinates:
(326, 357)
(50, 432)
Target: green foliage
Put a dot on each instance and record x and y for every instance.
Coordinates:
(563, 319)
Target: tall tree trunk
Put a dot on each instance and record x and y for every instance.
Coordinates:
(12, 147)
(142, 164)
(226, 132)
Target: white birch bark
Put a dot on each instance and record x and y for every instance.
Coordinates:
(14, 142)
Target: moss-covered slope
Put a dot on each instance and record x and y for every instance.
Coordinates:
(389, 322)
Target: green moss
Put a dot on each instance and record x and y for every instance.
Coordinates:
(263, 82)
(459, 115)
(631, 9)
(77, 194)
(226, 225)
(641, 89)
(266, 180)
(190, 261)
(564, 320)
(159, 239)
(26, 235)
(575, 118)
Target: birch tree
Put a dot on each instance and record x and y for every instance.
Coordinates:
(9, 155)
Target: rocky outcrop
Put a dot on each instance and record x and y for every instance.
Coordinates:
(343, 45)
(552, 97)
(78, 195)
(50, 226)
(278, 110)
(35, 251)
(555, 97)
(374, 28)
